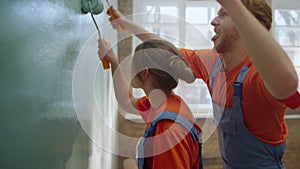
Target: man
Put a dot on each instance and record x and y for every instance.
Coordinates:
(261, 83)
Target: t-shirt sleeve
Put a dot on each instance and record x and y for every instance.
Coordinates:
(201, 61)
(194, 62)
(293, 101)
(143, 105)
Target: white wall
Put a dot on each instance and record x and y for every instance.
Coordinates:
(286, 4)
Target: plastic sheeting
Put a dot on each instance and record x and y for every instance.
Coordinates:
(40, 43)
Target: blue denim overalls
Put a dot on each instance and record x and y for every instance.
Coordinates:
(239, 148)
(167, 115)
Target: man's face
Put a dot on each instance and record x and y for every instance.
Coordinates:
(226, 34)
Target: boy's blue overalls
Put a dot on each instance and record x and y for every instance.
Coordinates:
(176, 118)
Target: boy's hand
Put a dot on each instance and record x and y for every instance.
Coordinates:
(105, 51)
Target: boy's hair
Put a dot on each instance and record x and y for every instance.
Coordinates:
(164, 62)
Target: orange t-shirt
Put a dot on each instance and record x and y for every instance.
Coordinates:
(170, 145)
(263, 114)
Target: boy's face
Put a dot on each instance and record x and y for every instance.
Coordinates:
(135, 82)
(139, 79)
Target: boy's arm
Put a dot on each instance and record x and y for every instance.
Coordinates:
(123, 91)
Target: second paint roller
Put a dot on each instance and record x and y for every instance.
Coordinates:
(95, 7)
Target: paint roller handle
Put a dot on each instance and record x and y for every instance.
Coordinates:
(105, 53)
(105, 63)
(111, 13)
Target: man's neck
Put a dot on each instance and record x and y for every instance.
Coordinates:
(233, 58)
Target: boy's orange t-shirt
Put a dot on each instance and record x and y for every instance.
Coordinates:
(263, 115)
(171, 145)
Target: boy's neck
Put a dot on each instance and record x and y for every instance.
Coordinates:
(157, 97)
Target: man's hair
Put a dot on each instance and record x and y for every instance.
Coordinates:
(261, 10)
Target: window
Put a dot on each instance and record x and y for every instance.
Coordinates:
(186, 24)
(287, 33)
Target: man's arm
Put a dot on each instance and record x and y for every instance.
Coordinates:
(132, 27)
(269, 58)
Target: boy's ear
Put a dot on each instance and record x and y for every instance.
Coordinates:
(144, 74)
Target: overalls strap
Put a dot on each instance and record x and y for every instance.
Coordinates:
(238, 85)
(168, 115)
(215, 72)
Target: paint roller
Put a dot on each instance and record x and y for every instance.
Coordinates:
(95, 7)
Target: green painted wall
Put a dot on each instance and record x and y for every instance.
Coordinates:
(39, 44)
